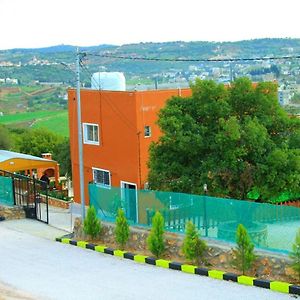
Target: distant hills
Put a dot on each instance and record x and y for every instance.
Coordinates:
(59, 48)
(49, 64)
(202, 48)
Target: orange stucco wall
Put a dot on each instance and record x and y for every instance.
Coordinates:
(148, 105)
(123, 149)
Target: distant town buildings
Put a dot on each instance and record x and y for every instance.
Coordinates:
(285, 72)
(284, 97)
(9, 81)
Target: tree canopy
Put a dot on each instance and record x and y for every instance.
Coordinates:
(236, 138)
(38, 141)
(41, 140)
(5, 140)
(61, 153)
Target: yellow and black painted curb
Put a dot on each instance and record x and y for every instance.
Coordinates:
(278, 286)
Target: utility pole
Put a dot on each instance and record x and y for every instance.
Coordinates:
(231, 73)
(79, 129)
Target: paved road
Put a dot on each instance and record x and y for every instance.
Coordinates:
(45, 269)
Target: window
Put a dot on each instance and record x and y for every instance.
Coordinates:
(101, 177)
(91, 134)
(147, 131)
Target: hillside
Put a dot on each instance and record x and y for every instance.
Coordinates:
(45, 64)
(36, 80)
(22, 98)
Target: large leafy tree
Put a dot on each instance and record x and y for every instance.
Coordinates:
(237, 139)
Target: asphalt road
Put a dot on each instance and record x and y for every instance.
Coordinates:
(44, 269)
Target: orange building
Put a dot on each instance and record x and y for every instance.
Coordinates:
(118, 127)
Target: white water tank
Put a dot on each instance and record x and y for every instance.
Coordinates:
(109, 81)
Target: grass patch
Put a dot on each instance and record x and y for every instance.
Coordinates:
(28, 116)
(55, 121)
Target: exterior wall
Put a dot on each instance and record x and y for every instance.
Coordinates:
(149, 104)
(115, 114)
(123, 149)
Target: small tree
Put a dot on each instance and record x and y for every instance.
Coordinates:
(122, 229)
(295, 254)
(91, 225)
(193, 247)
(244, 253)
(155, 239)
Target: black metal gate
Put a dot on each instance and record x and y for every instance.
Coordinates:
(31, 194)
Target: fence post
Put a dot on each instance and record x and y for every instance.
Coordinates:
(205, 212)
(13, 188)
(35, 199)
(148, 216)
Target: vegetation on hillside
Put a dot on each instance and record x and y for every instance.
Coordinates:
(62, 58)
(31, 98)
(5, 139)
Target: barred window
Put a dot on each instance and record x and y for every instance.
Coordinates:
(101, 177)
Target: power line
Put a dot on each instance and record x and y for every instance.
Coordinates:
(116, 110)
(266, 58)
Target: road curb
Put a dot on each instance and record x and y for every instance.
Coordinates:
(278, 286)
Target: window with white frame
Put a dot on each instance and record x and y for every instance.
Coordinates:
(147, 131)
(91, 133)
(101, 177)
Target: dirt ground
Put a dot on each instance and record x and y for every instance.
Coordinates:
(9, 293)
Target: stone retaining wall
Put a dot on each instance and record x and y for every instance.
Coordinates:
(12, 213)
(219, 255)
(59, 203)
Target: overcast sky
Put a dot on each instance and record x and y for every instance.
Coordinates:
(40, 23)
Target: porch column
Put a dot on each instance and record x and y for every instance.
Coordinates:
(56, 174)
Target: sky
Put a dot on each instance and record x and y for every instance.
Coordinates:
(42, 23)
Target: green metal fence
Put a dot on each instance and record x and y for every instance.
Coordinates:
(270, 226)
(6, 191)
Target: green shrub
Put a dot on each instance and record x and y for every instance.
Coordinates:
(244, 253)
(193, 247)
(122, 229)
(91, 225)
(295, 254)
(155, 239)
(57, 194)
